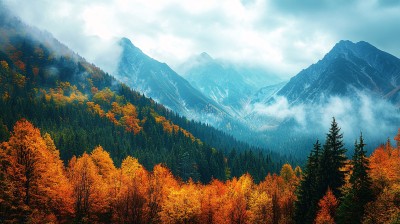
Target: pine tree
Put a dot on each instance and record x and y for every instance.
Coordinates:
(352, 208)
(333, 159)
(306, 205)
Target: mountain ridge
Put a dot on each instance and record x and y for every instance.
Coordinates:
(158, 81)
(359, 65)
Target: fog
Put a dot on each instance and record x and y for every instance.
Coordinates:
(375, 117)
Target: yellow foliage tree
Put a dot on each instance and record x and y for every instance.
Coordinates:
(182, 205)
(260, 204)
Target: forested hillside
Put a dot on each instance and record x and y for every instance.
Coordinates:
(82, 107)
(36, 187)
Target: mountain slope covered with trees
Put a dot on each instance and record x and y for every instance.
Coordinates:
(83, 107)
(36, 186)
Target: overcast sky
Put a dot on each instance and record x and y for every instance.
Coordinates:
(284, 36)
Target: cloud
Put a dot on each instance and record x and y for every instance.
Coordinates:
(284, 36)
(376, 118)
(281, 110)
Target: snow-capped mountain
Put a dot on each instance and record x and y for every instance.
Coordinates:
(158, 81)
(347, 67)
(230, 86)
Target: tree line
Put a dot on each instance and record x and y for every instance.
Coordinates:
(36, 187)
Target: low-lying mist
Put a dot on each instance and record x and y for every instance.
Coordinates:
(282, 122)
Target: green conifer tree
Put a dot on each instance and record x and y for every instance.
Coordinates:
(351, 209)
(307, 204)
(333, 159)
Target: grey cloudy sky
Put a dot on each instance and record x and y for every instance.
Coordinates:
(284, 36)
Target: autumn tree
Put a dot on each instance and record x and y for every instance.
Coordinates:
(55, 183)
(327, 209)
(182, 205)
(260, 207)
(109, 177)
(160, 184)
(12, 207)
(234, 209)
(26, 145)
(88, 189)
(212, 201)
(385, 175)
(385, 208)
(287, 173)
(131, 204)
(38, 171)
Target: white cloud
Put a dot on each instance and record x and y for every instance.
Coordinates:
(375, 117)
(284, 36)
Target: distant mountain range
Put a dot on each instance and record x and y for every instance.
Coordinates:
(229, 85)
(158, 81)
(241, 101)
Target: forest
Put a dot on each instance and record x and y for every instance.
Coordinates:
(36, 187)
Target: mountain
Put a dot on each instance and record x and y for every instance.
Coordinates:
(228, 85)
(82, 107)
(354, 82)
(347, 67)
(158, 81)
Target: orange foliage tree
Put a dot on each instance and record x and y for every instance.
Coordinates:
(160, 184)
(89, 190)
(39, 176)
(327, 205)
(131, 204)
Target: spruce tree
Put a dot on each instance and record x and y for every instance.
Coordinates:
(333, 159)
(306, 205)
(352, 208)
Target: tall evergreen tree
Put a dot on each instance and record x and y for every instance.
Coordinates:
(333, 160)
(352, 208)
(306, 205)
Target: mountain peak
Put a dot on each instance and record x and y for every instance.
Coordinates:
(129, 47)
(205, 55)
(346, 47)
(357, 65)
(127, 43)
(125, 40)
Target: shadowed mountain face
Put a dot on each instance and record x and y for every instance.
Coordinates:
(347, 67)
(158, 81)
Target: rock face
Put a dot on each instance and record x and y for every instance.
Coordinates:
(347, 67)
(158, 81)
